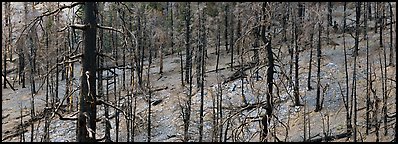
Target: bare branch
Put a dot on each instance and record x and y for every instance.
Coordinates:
(75, 56)
(99, 102)
(104, 55)
(53, 68)
(109, 28)
(47, 14)
(67, 118)
(79, 26)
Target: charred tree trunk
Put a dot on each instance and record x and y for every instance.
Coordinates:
(231, 38)
(150, 96)
(226, 12)
(188, 56)
(381, 20)
(31, 45)
(291, 51)
(220, 112)
(188, 69)
(367, 69)
(391, 39)
(218, 43)
(358, 15)
(172, 28)
(348, 104)
(296, 59)
(87, 101)
(330, 20)
(310, 65)
(318, 73)
(202, 79)
(270, 76)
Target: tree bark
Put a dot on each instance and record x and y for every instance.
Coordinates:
(309, 63)
(318, 83)
(358, 15)
(391, 37)
(348, 104)
(87, 107)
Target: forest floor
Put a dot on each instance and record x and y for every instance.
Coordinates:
(166, 119)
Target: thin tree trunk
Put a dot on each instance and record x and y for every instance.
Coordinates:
(188, 56)
(218, 43)
(22, 136)
(232, 39)
(296, 66)
(182, 68)
(349, 112)
(202, 63)
(330, 20)
(358, 14)
(124, 60)
(220, 105)
(172, 28)
(47, 121)
(367, 70)
(381, 19)
(384, 88)
(7, 46)
(391, 35)
(107, 127)
(32, 56)
(150, 96)
(291, 51)
(309, 63)
(318, 83)
(226, 12)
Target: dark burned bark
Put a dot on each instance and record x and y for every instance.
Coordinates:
(309, 65)
(270, 73)
(188, 70)
(330, 138)
(348, 104)
(318, 85)
(296, 59)
(358, 16)
(188, 56)
(391, 37)
(87, 108)
(367, 70)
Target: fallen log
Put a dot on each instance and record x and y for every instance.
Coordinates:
(330, 138)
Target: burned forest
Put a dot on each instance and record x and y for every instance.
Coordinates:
(199, 72)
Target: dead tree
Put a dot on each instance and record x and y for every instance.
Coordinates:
(318, 83)
(270, 73)
(87, 100)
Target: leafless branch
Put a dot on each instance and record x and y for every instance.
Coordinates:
(67, 118)
(104, 55)
(99, 102)
(79, 26)
(109, 28)
(53, 68)
(48, 14)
